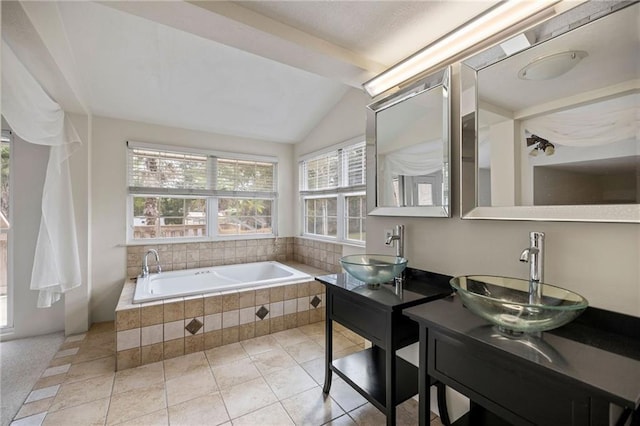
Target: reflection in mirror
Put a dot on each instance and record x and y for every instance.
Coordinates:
(410, 138)
(552, 130)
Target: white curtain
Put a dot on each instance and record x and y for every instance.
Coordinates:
(417, 160)
(36, 118)
(602, 123)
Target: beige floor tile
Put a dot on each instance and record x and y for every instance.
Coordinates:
(260, 344)
(45, 382)
(205, 410)
(139, 377)
(274, 360)
(345, 395)
(337, 354)
(136, 403)
(290, 337)
(272, 415)
(88, 353)
(342, 421)
(247, 397)
(89, 414)
(315, 329)
(72, 394)
(316, 370)
(234, 373)
(100, 327)
(436, 422)
(368, 415)
(289, 382)
(86, 370)
(157, 418)
(190, 386)
(305, 351)
(183, 365)
(62, 361)
(226, 354)
(34, 408)
(312, 408)
(354, 337)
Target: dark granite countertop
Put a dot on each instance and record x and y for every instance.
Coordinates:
(600, 351)
(419, 287)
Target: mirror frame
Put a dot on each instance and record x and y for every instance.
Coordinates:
(469, 208)
(442, 79)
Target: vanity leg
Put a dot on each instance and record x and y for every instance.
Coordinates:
(328, 349)
(442, 404)
(424, 381)
(390, 362)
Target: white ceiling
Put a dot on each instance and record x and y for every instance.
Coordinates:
(268, 70)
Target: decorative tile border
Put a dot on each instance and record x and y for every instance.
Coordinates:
(151, 332)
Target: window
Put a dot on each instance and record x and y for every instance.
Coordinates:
(176, 194)
(332, 188)
(5, 157)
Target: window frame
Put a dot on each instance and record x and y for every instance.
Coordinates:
(341, 192)
(211, 195)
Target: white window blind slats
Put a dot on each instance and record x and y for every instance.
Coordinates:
(245, 176)
(159, 172)
(355, 164)
(337, 170)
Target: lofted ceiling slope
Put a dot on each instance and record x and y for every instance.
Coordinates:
(267, 70)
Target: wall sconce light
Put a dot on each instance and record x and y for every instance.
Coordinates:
(508, 16)
(540, 144)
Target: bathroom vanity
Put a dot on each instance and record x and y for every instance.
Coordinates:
(375, 313)
(567, 376)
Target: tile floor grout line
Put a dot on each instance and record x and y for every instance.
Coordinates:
(292, 338)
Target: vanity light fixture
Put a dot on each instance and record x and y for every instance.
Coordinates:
(552, 66)
(508, 16)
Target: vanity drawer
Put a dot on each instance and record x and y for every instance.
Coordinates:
(367, 321)
(511, 389)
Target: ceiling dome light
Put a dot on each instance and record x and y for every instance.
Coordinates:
(551, 66)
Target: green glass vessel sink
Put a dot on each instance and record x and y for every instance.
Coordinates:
(373, 268)
(506, 303)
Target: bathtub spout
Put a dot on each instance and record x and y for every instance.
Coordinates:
(145, 264)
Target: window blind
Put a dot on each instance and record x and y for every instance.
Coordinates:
(155, 171)
(343, 169)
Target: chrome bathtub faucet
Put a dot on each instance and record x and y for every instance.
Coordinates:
(145, 264)
(534, 255)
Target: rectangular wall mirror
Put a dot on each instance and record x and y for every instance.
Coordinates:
(550, 120)
(408, 150)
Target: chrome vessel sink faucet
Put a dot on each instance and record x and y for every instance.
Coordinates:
(145, 264)
(398, 235)
(534, 255)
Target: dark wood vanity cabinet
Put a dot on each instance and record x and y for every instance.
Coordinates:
(508, 387)
(375, 313)
(568, 377)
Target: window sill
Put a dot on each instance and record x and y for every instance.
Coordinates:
(151, 242)
(332, 241)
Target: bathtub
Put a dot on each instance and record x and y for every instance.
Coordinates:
(188, 282)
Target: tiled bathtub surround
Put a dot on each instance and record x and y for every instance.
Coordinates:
(321, 255)
(173, 257)
(154, 331)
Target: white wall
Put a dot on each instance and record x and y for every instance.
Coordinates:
(345, 121)
(28, 169)
(109, 193)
